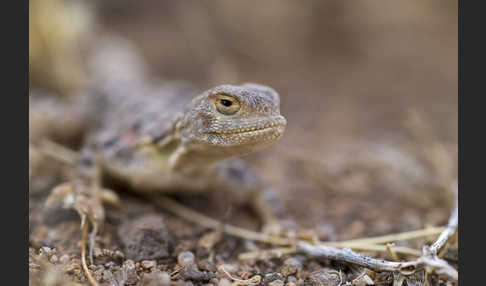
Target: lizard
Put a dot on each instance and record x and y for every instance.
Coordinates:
(163, 139)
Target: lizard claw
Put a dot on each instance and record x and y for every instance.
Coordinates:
(87, 201)
(84, 199)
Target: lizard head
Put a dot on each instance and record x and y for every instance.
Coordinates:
(233, 120)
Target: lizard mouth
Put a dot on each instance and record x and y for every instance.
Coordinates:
(268, 125)
(258, 132)
(258, 127)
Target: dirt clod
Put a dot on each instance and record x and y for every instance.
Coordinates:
(194, 274)
(146, 238)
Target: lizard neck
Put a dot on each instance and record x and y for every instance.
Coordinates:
(192, 158)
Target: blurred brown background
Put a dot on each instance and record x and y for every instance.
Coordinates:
(355, 77)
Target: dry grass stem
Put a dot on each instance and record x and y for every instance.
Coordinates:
(84, 239)
(409, 235)
(277, 252)
(391, 252)
(197, 218)
(448, 232)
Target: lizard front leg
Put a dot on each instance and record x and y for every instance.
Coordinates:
(236, 177)
(84, 193)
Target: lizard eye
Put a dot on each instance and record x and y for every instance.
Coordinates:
(227, 105)
(226, 102)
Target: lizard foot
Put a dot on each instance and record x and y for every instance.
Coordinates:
(87, 201)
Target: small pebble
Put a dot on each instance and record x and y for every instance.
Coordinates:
(207, 265)
(147, 264)
(54, 259)
(46, 250)
(272, 277)
(146, 238)
(185, 258)
(290, 266)
(192, 273)
(325, 277)
(292, 279)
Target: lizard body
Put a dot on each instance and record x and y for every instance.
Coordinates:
(159, 139)
(157, 151)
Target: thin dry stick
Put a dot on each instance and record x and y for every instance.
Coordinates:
(363, 244)
(291, 250)
(347, 255)
(382, 248)
(391, 252)
(428, 261)
(91, 280)
(197, 218)
(389, 238)
(263, 254)
(448, 232)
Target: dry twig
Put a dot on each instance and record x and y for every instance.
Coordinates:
(428, 261)
(169, 204)
(408, 235)
(84, 239)
(363, 244)
(449, 231)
